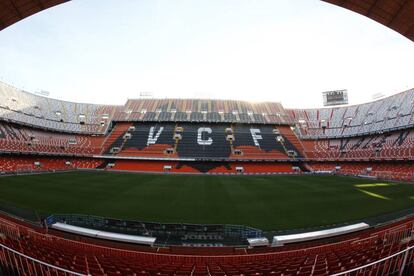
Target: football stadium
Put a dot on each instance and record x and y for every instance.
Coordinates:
(194, 186)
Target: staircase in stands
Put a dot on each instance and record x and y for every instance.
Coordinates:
(287, 132)
(117, 131)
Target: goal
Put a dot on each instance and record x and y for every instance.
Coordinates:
(24, 168)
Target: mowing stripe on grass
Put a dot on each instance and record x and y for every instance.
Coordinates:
(264, 202)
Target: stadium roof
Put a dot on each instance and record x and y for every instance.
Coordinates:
(12, 11)
(395, 14)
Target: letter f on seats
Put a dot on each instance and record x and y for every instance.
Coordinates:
(256, 136)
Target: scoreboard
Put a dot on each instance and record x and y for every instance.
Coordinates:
(335, 97)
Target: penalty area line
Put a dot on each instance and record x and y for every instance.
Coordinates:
(373, 194)
(374, 185)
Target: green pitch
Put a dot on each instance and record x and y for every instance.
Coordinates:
(265, 202)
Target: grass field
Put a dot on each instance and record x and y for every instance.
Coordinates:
(265, 202)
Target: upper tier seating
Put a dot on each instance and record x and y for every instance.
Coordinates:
(149, 140)
(385, 114)
(114, 138)
(15, 138)
(260, 142)
(391, 145)
(198, 110)
(203, 141)
(26, 108)
(30, 109)
(382, 115)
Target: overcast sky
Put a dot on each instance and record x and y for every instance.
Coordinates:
(106, 51)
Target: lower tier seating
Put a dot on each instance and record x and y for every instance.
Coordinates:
(202, 167)
(16, 164)
(402, 171)
(388, 170)
(89, 258)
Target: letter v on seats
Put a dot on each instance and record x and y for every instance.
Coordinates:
(153, 139)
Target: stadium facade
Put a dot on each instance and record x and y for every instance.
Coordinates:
(181, 135)
(218, 137)
(372, 140)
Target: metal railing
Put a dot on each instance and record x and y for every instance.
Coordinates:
(399, 263)
(13, 262)
(387, 262)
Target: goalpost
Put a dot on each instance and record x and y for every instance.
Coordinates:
(24, 168)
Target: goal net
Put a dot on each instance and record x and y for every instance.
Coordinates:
(20, 169)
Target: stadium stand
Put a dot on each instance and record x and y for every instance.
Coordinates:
(384, 170)
(391, 113)
(39, 134)
(151, 140)
(25, 164)
(25, 108)
(202, 167)
(379, 129)
(203, 141)
(196, 140)
(391, 145)
(373, 140)
(16, 138)
(89, 258)
(113, 139)
(211, 130)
